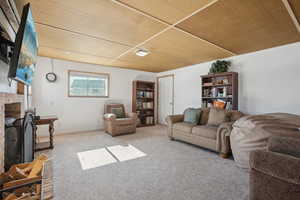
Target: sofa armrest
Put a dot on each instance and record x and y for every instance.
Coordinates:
(285, 145)
(226, 128)
(223, 138)
(281, 166)
(236, 115)
(172, 119)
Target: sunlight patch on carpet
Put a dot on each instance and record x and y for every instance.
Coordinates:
(95, 158)
(109, 155)
(123, 153)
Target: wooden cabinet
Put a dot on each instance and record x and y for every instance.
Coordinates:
(143, 102)
(222, 87)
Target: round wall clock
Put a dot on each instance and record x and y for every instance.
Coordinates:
(51, 77)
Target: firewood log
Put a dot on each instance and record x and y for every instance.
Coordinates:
(36, 169)
(20, 181)
(11, 196)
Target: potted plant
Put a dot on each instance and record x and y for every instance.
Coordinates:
(219, 66)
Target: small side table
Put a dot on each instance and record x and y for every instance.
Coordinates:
(44, 120)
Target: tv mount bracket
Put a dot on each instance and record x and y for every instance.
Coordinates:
(6, 48)
(3, 40)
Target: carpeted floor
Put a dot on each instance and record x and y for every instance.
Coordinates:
(171, 170)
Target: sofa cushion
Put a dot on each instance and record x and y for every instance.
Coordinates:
(183, 126)
(205, 131)
(217, 117)
(192, 115)
(204, 116)
(124, 121)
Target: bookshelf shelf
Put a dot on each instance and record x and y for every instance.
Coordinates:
(218, 87)
(148, 98)
(145, 89)
(216, 97)
(143, 102)
(145, 109)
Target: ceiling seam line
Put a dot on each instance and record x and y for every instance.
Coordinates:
(105, 65)
(140, 12)
(164, 30)
(169, 26)
(292, 14)
(83, 34)
(204, 40)
(77, 52)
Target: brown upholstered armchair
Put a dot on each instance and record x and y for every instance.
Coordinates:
(117, 122)
(275, 173)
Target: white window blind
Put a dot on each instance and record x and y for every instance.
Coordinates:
(87, 84)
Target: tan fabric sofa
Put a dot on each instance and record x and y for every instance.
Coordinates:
(215, 138)
(118, 126)
(274, 172)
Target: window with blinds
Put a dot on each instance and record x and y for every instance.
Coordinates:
(88, 84)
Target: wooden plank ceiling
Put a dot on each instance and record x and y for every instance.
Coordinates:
(176, 33)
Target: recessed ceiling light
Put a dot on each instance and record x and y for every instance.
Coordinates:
(141, 52)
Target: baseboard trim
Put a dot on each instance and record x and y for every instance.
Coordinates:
(70, 133)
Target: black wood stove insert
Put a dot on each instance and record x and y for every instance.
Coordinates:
(19, 140)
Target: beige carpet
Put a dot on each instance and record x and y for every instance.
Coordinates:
(169, 170)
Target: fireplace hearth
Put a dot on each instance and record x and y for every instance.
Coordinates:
(11, 106)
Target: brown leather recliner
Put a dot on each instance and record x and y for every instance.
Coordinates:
(118, 126)
(274, 172)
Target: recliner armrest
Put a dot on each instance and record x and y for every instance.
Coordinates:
(131, 115)
(281, 166)
(109, 116)
(285, 145)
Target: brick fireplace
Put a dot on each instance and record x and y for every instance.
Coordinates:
(11, 105)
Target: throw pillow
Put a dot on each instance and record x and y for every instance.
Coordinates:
(216, 117)
(118, 112)
(192, 115)
(204, 116)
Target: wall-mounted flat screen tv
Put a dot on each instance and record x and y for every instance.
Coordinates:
(23, 61)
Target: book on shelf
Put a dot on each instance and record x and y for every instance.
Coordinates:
(217, 92)
(147, 105)
(228, 106)
(149, 94)
(144, 94)
(149, 120)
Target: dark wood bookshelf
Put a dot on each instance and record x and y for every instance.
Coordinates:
(143, 102)
(220, 86)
